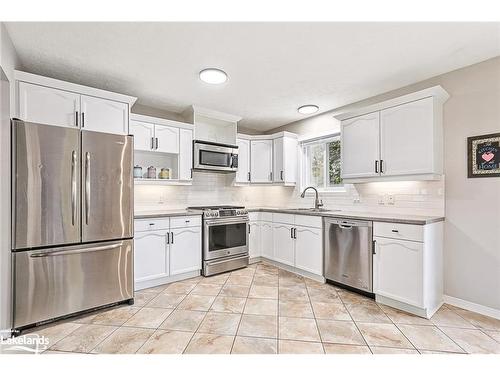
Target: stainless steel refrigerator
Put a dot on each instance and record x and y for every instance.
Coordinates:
(72, 215)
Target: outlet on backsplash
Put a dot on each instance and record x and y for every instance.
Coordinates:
(391, 200)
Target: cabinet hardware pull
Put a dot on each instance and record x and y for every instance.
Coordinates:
(76, 118)
(83, 119)
(172, 237)
(168, 238)
(248, 176)
(376, 166)
(157, 143)
(295, 233)
(152, 143)
(373, 247)
(381, 166)
(395, 231)
(151, 223)
(281, 175)
(249, 229)
(271, 176)
(291, 232)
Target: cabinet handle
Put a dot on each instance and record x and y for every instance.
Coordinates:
(295, 233)
(171, 237)
(270, 176)
(381, 166)
(395, 231)
(83, 119)
(249, 229)
(281, 175)
(373, 247)
(76, 118)
(248, 176)
(152, 143)
(376, 166)
(157, 143)
(291, 232)
(168, 238)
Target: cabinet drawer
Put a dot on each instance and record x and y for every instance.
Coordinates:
(266, 216)
(308, 221)
(254, 216)
(143, 225)
(283, 218)
(399, 231)
(185, 221)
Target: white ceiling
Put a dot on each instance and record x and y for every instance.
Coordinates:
(273, 67)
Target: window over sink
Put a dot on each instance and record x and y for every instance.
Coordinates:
(321, 163)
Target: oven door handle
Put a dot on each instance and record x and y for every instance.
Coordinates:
(235, 220)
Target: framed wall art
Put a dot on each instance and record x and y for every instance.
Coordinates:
(483, 153)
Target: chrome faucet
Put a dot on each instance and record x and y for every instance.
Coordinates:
(317, 202)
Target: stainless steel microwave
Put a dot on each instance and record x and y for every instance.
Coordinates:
(215, 157)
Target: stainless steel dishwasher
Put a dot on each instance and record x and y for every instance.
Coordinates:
(348, 253)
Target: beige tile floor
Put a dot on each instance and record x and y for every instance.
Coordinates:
(262, 309)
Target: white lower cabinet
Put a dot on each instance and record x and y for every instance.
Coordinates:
(309, 249)
(185, 250)
(266, 240)
(408, 266)
(293, 240)
(164, 255)
(254, 250)
(283, 243)
(151, 256)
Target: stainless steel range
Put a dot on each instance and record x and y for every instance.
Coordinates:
(225, 238)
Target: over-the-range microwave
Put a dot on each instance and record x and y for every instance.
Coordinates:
(215, 157)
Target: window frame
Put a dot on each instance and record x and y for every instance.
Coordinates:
(304, 163)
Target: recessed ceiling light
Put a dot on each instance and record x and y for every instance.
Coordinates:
(308, 109)
(213, 76)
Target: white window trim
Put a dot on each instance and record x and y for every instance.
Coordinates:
(310, 140)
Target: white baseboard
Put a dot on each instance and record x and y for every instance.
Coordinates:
(471, 306)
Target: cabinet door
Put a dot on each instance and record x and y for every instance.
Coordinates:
(266, 240)
(185, 154)
(167, 139)
(278, 160)
(284, 249)
(290, 157)
(143, 133)
(150, 255)
(254, 239)
(360, 146)
(103, 115)
(48, 106)
(261, 164)
(242, 175)
(185, 250)
(309, 250)
(406, 138)
(397, 270)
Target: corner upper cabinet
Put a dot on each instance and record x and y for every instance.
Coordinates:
(103, 115)
(360, 146)
(243, 172)
(399, 139)
(47, 105)
(185, 154)
(261, 164)
(52, 102)
(285, 159)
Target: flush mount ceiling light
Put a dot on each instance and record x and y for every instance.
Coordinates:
(213, 76)
(308, 109)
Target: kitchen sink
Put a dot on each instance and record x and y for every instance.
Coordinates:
(311, 209)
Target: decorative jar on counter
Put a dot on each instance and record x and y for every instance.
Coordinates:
(137, 171)
(151, 172)
(164, 173)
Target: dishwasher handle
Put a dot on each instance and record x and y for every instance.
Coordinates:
(347, 223)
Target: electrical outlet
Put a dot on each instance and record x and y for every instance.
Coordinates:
(391, 199)
(356, 200)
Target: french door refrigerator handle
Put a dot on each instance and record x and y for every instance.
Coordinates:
(87, 187)
(76, 251)
(73, 187)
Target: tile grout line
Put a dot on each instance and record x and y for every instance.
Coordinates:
(316, 320)
(242, 312)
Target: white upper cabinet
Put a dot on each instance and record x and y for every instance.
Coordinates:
(143, 133)
(243, 172)
(102, 115)
(285, 155)
(49, 106)
(261, 156)
(278, 160)
(399, 139)
(50, 101)
(185, 154)
(407, 138)
(360, 146)
(167, 139)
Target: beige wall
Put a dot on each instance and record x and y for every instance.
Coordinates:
(472, 206)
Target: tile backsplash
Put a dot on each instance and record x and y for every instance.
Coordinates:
(412, 197)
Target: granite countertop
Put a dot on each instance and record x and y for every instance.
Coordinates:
(146, 214)
(372, 216)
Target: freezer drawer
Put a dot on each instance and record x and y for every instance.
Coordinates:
(348, 253)
(54, 282)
